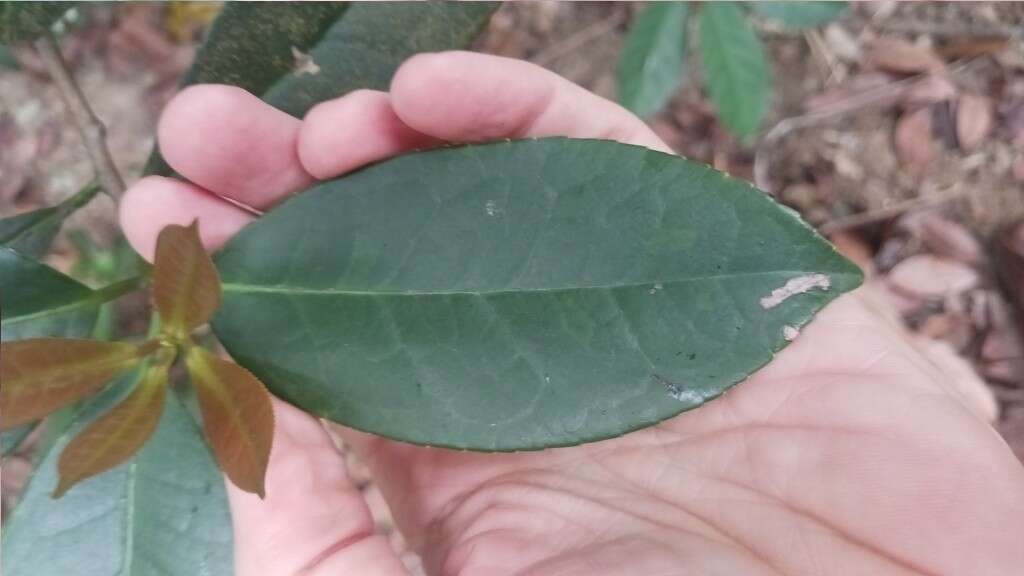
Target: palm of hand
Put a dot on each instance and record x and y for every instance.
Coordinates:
(846, 455)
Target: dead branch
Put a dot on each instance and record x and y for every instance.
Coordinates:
(579, 39)
(89, 125)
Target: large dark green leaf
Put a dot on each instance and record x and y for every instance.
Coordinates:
(519, 295)
(36, 300)
(799, 15)
(296, 55)
(163, 512)
(734, 64)
(651, 65)
(32, 233)
(21, 21)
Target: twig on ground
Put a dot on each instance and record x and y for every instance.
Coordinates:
(946, 29)
(578, 39)
(89, 125)
(865, 218)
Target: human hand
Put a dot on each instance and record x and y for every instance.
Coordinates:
(848, 454)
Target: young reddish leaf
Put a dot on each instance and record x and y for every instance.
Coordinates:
(40, 375)
(120, 433)
(237, 416)
(186, 289)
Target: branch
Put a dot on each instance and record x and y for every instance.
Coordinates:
(89, 125)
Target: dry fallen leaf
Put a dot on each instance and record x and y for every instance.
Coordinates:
(925, 275)
(947, 238)
(900, 56)
(973, 120)
(913, 140)
(929, 90)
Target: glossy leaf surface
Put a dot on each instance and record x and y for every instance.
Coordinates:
(736, 72)
(43, 374)
(186, 290)
(23, 21)
(162, 513)
(797, 15)
(651, 65)
(237, 417)
(36, 300)
(295, 55)
(519, 295)
(118, 434)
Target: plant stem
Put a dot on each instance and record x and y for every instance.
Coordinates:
(89, 125)
(120, 288)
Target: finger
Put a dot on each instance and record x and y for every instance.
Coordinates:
(232, 143)
(348, 132)
(469, 97)
(314, 520)
(155, 201)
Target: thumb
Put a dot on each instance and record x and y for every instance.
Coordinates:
(313, 521)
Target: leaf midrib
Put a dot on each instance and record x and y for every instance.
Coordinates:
(286, 289)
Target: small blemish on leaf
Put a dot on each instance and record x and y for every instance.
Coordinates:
(654, 289)
(492, 208)
(679, 392)
(795, 286)
(304, 63)
(790, 332)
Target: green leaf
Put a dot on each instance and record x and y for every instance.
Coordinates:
(295, 55)
(11, 439)
(32, 233)
(518, 295)
(734, 63)
(164, 512)
(797, 15)
(22, 21)
(651, 65)
(36, 300)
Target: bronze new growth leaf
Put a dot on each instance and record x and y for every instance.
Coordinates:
(237, 416)
(41, 375)
(186, 289)
(121, 432)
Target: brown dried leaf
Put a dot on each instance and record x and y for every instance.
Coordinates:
(43, 374)
(926, 276)
(972, 47)
(186, 288)
(930, 90)
(237, 416)
(119, 433)
(973, 120)
(913, 140)
(900, 56)
(947, 238)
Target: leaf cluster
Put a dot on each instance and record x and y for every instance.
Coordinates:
(42, 375)
(651, 66)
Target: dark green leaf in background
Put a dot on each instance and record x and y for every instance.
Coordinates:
(32, 233)
(519, 295)
(36, 300)
(295, 55)
(162, 513)
(797, 15)
(734, 65)
(651, 65)
(11, 439)
(23, 21)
